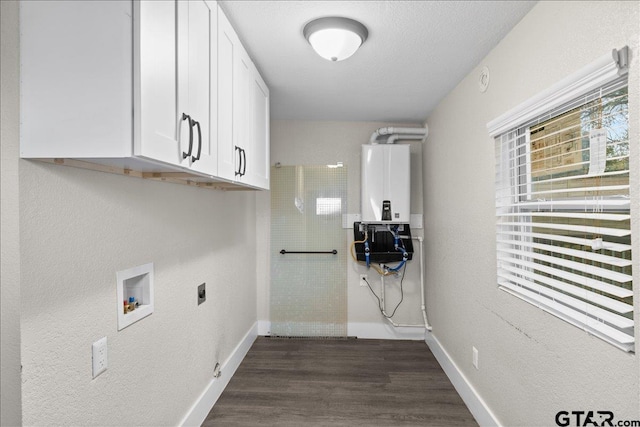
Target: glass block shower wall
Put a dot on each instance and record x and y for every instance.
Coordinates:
(308, 290)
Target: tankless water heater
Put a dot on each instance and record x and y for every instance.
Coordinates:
(386, 185)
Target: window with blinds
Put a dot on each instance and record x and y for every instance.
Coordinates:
(563, 213)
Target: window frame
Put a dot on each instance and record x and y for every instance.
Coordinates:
(556, 101)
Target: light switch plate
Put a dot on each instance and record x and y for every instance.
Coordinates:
(99, 356)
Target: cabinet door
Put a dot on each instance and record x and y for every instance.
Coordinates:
(258, 170)
(242, 123)
(202, 85)
(228, 154)
(175, 61)
(157, 123)
(76, 81)
(243, 113)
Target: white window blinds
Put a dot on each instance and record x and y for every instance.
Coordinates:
(563, 211)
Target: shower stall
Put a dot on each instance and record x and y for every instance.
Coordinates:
(308, 296)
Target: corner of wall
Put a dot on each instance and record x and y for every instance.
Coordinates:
(10, 376)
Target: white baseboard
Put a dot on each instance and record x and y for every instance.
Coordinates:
(381, 331)
(384, 331)
(469, 395)
(199, 411)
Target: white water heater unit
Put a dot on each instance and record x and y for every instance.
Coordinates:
(386, 185)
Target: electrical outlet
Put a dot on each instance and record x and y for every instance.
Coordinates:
(475, 357)
(99, 359)
(363, 280)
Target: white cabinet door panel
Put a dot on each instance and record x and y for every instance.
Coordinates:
(228, 155)
(242, 129)
(158, 123)
(259, 164)
(76, 79)
(243, 113)
(202, 21)
(175, 82)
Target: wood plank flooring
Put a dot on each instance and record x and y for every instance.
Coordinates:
(355, 382)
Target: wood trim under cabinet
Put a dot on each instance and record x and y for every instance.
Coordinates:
(182, 178)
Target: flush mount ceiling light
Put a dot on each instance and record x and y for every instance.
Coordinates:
(335, 38)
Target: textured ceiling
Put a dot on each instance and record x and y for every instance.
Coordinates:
(417, 51)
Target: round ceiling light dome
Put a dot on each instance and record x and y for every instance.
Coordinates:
(335, 38)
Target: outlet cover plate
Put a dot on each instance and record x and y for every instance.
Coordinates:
(363, 278)
(99, 356)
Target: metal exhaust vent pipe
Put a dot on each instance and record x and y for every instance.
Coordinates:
(395, 134)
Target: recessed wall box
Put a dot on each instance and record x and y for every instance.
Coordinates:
(136, 285)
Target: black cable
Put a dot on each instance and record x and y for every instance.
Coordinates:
(374, 294)
(404, 269)
(401, 291)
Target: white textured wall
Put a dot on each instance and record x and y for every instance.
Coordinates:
(10, 413)
(532, 365)
(320, 143)
(78, 228)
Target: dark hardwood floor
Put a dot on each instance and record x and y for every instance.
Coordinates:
(355, 382)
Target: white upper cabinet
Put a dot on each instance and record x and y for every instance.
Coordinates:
(258, 165)
(243, 112)
(176, 66)
(142, 85)
(75, 79)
